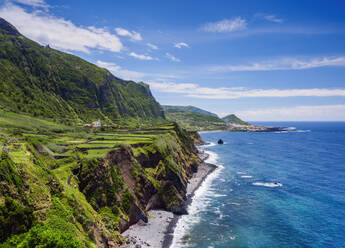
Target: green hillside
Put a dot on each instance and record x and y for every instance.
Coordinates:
(195, 121)
(63, 186)
(234, 119)
(188, 108)
(66, 185)
(44, 82)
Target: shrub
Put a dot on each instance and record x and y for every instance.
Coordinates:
(42, 237)
(14, 218)
(127, 199)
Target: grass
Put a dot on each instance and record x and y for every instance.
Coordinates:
(61, 141)
(196, 121)
(10, 121)
(46, 155)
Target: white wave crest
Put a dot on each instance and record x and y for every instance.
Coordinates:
(241, 172)
(201, 200)
(212, 157)
(291, 128)
(246, 176)
(270, 185)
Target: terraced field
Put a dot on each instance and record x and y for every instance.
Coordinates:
(60, 141)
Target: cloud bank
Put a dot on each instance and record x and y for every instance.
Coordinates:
(197, 91)
(284, 64)
(58, 32)
(301, 113)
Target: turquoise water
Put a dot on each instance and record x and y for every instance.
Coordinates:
(272, 190)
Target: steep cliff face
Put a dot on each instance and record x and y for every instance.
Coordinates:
(49, 83)
(132, 180)
(88, 202)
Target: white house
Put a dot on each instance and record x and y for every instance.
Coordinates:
(96, 123)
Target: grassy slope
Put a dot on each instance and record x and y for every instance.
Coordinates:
(41, 159)
(234, 119)
(188, 108)
(195, 121)
(48, 83)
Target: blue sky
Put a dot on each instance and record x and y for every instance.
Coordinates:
(263, 60)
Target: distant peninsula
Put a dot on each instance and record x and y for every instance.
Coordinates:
(196, 119)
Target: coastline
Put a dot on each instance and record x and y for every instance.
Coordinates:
(159, 231)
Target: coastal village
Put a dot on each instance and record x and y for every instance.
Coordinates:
(249, 128)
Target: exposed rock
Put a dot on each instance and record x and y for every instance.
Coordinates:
(155, 202)
(179, 210)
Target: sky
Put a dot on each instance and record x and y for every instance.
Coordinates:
(262, 60)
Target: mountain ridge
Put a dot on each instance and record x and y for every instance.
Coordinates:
(198, 119)
(46, 82)
(188, 108)
(232, 118)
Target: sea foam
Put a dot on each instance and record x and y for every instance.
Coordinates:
(270, 185)
(200, 201)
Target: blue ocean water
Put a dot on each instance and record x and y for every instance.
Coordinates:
(272, 190)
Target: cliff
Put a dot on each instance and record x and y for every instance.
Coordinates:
(87, 201)
(48, 83)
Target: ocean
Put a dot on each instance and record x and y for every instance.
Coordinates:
(276, 190)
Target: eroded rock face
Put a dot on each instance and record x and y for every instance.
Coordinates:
(156, 179)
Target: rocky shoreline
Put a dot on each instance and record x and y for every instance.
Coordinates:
(159, 230)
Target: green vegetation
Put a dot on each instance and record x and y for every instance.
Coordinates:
(234, 120)
(195, 121)
(14, 218)
(193, 118)
(188, 109)
(75, 181)
(66, 185)
(42, 236)
(47, 83)
(127, 199)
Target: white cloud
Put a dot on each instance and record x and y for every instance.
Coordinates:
(119, 72)
(284, 64)
(152, 46)
(197, 91)
(181, 45)
(273, 18)
(34, 3)
(300, 113)
(172, 57)
(59, 33)
(133, 35)
(226, 25)
(141, 56)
